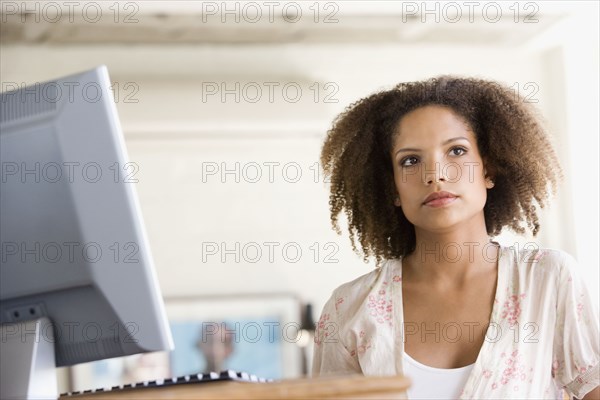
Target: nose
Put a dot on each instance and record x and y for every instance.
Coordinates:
(433, 173)
(435, 179)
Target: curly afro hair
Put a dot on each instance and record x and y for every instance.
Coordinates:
(511, 140)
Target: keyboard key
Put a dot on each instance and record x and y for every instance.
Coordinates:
(178, 380)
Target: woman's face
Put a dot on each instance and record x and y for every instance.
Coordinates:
(435, 150)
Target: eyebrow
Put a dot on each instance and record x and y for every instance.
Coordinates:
(444, 143)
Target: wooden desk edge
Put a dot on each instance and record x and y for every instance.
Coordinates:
(329, 387)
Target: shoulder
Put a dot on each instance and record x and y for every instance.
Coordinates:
(541, 270)
(365, 283)
(350, 296)
(550, 260)
(357, 309)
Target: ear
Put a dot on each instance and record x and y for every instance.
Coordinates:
(397, 201)
(489, 183)
(489, 180)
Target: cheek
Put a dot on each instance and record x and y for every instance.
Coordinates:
(406, 180)
(406, 176)
(469, 171)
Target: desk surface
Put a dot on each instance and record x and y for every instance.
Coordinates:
(341, 387)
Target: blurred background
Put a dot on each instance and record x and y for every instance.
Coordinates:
(224, 107)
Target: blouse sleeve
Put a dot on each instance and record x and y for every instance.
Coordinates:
(576, 345)
(330, 355)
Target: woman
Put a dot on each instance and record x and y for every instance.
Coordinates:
(428, 173)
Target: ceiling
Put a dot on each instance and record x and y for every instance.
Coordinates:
(188, 23)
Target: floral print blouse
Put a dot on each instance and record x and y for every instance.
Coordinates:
(543, 335)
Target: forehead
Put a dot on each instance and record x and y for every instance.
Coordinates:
(430, 124)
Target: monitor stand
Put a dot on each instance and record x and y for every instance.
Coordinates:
(28, 369)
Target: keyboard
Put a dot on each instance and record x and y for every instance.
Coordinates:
(228, 375)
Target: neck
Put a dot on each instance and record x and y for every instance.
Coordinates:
(450, 259)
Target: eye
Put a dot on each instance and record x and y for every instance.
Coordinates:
(463, 150)
(409, 161)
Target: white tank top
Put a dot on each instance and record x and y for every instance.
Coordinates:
(434, 383)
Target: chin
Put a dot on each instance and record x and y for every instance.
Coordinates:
(440, 223)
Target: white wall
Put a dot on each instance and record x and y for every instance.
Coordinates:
(172, 134)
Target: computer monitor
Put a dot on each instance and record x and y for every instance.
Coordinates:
(75, 258)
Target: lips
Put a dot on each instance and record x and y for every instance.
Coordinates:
(439, 195)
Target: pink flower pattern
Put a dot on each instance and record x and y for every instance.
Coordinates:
(380, 307)
(580, 307)
(511, 309)
(559, 364)
(362, 346)
(556, 365)
(515, 371)
(338, 302)
(539, 255)
(321, 333)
